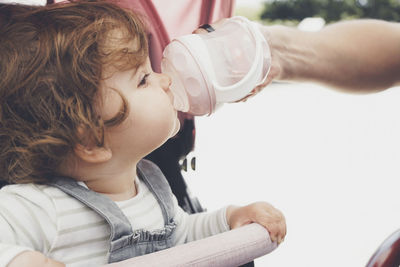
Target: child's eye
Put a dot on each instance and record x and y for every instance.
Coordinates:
(143, 81)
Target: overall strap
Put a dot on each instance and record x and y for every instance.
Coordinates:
(155, 180)
(102, 205)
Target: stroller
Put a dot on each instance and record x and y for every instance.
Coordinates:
(239, 246)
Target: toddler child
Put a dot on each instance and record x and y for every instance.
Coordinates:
(79, 109)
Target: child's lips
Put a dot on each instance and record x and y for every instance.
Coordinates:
(172, 100)
(171, 96)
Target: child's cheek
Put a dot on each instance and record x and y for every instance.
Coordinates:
(112, 104)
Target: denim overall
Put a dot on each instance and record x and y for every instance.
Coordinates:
(124, 242)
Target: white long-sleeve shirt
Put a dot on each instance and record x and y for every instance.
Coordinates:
(45, 219)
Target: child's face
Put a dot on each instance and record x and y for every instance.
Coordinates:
(152, 119)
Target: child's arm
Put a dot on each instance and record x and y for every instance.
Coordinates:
(201, 225)
(261, 213)
(33, 258)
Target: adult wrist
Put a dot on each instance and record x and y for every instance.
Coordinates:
(291, 52)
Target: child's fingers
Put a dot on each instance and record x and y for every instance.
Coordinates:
(281, 233)
(276, 231)
(261, 213)
(272, 219)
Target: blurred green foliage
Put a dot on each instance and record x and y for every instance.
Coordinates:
(330, 10)
(251, 13)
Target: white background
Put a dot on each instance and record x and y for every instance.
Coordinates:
(329, 161)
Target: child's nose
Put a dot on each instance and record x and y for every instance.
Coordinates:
(165, 81)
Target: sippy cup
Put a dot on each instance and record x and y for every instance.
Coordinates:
(219, 67)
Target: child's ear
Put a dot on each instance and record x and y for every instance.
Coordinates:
(93, 154)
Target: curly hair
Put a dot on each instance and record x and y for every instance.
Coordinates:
(52, 62)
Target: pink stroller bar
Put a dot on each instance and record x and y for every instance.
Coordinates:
(231, 248)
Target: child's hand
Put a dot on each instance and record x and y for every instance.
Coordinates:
(261, 213)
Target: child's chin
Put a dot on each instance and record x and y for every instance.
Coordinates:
(177, 127)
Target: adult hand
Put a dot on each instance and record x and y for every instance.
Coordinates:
(275, 69)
